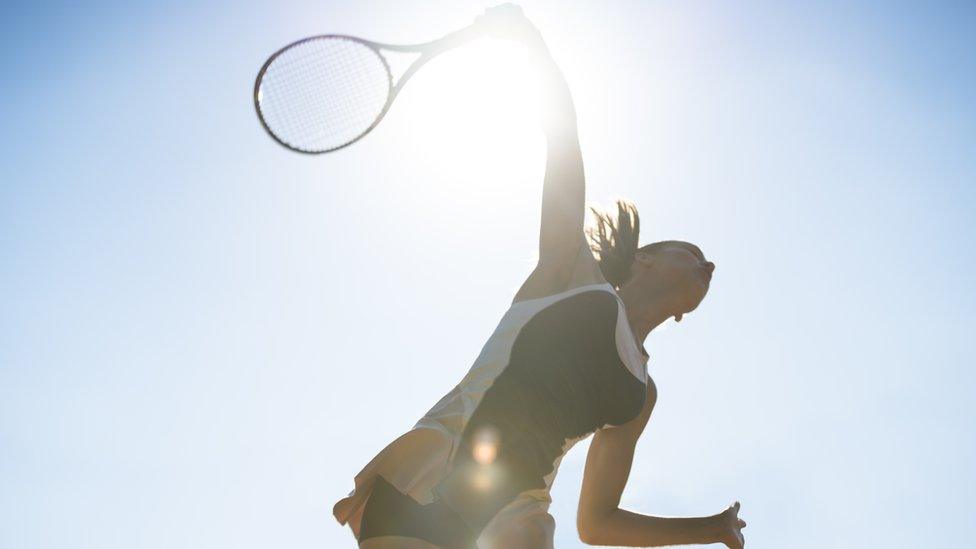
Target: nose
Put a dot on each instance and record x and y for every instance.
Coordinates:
(709, 266)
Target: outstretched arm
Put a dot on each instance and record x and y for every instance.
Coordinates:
(564, 187)
(563, 193)
(601, 521)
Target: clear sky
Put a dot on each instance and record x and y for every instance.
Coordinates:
(205, 336)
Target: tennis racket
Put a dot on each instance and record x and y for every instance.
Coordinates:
(323, 93)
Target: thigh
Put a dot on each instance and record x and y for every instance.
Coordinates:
(534, 531)
(396, 542)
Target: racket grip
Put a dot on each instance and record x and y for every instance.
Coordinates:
(495, 20)
(458, 37)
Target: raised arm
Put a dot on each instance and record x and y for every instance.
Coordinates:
(601, 521)
(564, 186)
(563, 193)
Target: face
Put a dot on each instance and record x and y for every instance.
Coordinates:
(680, 271)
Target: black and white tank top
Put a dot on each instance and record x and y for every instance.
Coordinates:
(555, 370)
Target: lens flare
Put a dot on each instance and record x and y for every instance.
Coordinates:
(485, 444)
(482, 479)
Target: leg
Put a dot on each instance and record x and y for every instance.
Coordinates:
(396, 542)
(534, 531)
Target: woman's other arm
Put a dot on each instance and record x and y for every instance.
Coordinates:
(601, 521)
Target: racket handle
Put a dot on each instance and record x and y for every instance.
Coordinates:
(457, 38)
(490, 21)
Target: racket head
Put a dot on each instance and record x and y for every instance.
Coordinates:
(322, 93)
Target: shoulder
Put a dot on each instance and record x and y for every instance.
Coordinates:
(633, 429)
(651, 393)
(549, 278)
(650, 400)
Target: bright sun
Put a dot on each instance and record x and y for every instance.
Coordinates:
(480, 100)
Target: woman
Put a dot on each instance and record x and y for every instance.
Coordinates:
(565, 361)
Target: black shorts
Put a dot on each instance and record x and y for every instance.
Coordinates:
(389, 512)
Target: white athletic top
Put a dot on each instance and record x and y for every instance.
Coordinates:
(555, 370)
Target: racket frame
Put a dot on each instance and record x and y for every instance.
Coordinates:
(427, 51)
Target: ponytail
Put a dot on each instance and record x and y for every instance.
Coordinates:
(613, 240)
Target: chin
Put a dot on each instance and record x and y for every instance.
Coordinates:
(692, 307)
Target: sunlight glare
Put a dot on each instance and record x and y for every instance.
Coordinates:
(485, 447)
(481, 98)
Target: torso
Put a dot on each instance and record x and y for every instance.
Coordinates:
(558, 368)
(561, 364)
(584, 271)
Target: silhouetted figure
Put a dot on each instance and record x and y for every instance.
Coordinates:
(566, 361)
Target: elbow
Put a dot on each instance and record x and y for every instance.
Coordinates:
(587, 537)
(591, 530)
(586, 534)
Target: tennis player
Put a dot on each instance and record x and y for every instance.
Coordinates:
(566, 361)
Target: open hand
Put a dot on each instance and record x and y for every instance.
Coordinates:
(730, 527)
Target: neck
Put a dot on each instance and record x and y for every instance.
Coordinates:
(645, 310)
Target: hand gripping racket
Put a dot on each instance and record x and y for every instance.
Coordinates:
(323, 93)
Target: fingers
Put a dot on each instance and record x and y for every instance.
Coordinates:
(508, 21)
(507, 11)
(508, 8)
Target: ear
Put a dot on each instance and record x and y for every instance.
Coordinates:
(643, 258)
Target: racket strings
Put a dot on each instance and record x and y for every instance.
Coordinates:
(320, 116)
(318, 113)
(323, 93)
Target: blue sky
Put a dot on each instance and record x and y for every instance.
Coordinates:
(205, 336)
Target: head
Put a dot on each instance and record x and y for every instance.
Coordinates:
(675, 273)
